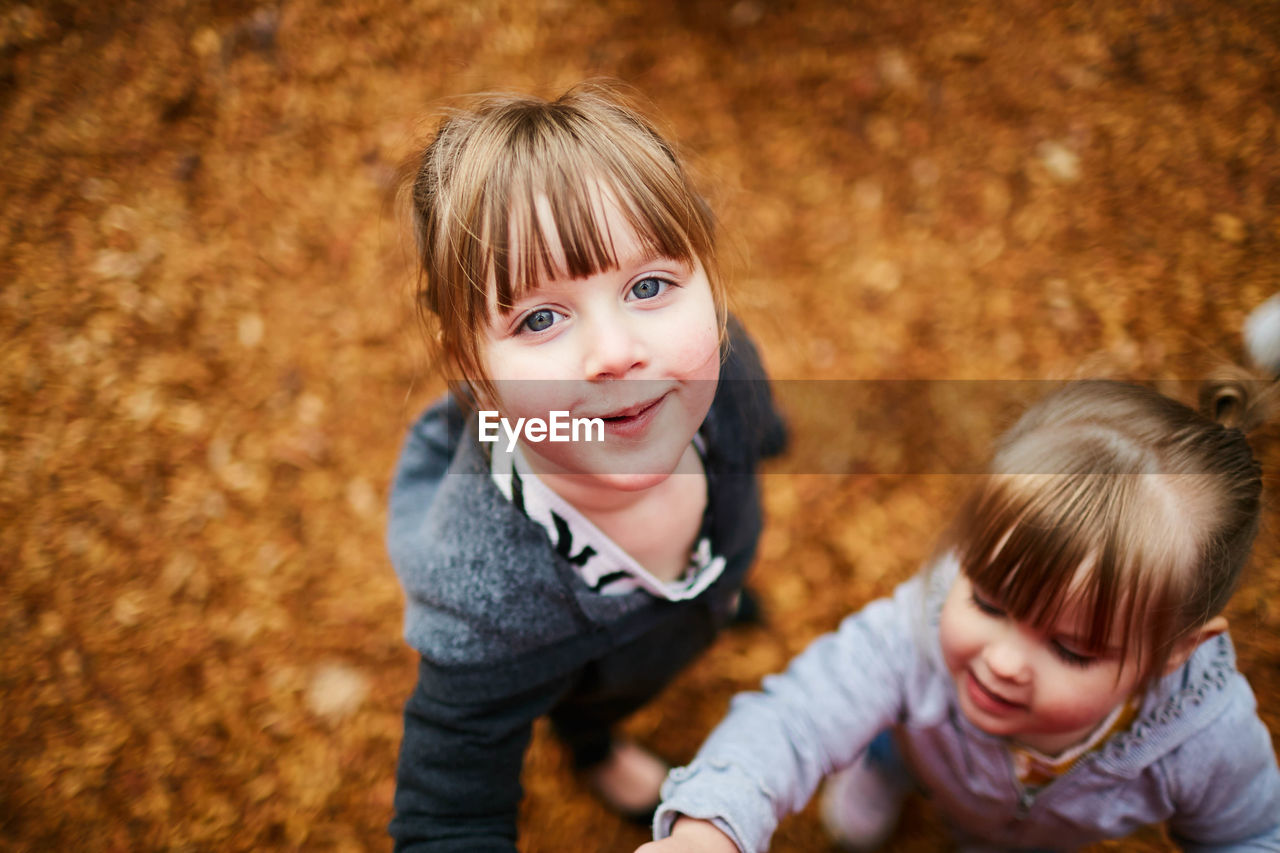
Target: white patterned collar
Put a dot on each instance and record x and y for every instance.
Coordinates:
(601, 563)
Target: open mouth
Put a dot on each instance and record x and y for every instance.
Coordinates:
(986, 698)
(633, 419)
(632, 412)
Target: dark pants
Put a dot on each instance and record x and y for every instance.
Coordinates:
(611, 688)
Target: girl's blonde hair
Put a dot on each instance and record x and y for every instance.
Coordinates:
(480, 186)
(1122, 501)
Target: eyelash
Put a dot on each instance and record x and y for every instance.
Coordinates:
(985, 606)
(667, 284)
(522, 328)
(1063, 653)
(1072, 658)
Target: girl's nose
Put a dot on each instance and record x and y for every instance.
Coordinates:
(613, 348)
(1007, 659)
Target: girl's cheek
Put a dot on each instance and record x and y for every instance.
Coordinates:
(959, 628)
(708, 361)
(703, 351)
(946, 634)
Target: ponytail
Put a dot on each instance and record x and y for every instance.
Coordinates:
(1242, 399)
(1239, 399)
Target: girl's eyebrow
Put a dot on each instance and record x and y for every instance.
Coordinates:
(646, 257)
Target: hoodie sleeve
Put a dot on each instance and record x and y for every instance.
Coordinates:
(1226, 785)
(765, 760)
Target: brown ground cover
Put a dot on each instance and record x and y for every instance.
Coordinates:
(209, 353)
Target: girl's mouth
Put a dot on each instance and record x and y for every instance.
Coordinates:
(987, 699)
(633, 420)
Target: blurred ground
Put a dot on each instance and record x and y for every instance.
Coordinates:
(209, 355)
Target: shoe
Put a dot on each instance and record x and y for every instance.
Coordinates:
(624, 779)
(746, 610)
(642, 818)
(860, 807)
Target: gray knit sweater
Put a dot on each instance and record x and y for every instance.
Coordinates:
(508, 631)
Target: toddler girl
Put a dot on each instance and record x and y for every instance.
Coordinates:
(1062, 673)
(570, 270)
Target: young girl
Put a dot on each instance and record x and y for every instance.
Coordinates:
(1060, 676)
(569, 268)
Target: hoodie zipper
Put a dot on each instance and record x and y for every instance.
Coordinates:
(1025, 799)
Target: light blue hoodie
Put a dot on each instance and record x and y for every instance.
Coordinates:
(1197, 755)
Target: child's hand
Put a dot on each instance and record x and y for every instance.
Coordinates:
(692, 836)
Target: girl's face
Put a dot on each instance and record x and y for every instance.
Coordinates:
(1039, 688)
(637, 346)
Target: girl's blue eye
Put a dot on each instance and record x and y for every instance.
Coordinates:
(647, 288)
(539, 320)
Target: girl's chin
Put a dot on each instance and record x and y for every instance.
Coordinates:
(637, 482)
(626, 471)
(617, 479)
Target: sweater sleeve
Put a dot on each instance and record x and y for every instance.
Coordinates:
(458, 780)
(424, 459)
(765, 760)
(1226, 786)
